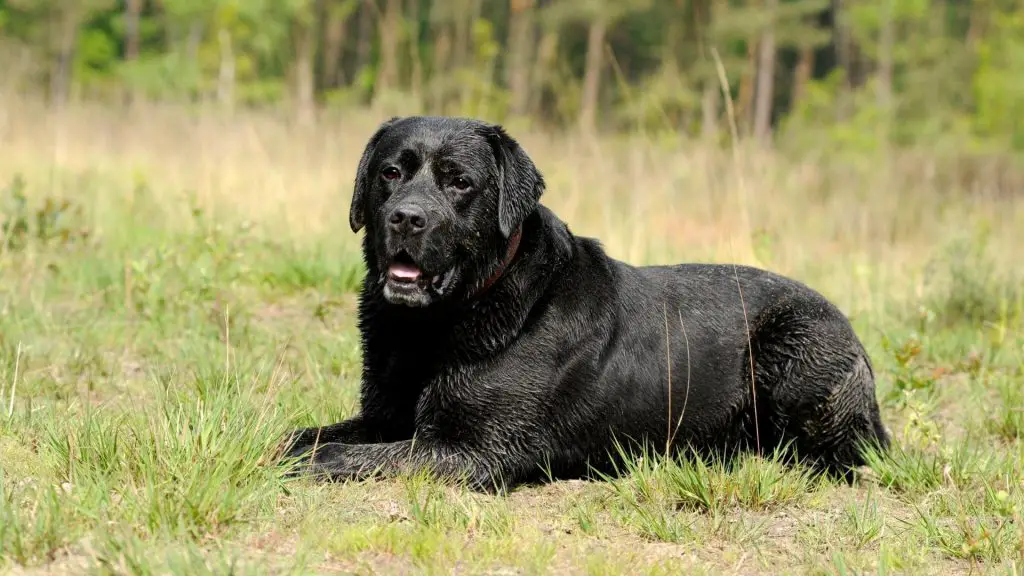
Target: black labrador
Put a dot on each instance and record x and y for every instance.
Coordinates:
(500, 348)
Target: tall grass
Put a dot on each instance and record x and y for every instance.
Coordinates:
(852, 228)
(176, 291)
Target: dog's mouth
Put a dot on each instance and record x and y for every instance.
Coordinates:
(404, 273)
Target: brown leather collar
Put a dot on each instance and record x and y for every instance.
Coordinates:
(513, 246)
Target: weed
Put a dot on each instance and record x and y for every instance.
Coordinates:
(909, 375)
(973, 537)
(56, 222)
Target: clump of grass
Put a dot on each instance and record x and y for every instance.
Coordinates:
(863, 521)
(905, 470)
(657, 489)
(584, 515)
(915, 471)
(434, 505)
(765, 483)
(970, 533)
(187, 465)
(35, 522)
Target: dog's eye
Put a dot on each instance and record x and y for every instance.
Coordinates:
(460, 183)
(390, 173)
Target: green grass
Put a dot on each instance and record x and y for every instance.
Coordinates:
(164, 328)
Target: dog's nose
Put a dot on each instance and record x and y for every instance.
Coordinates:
(408, 218)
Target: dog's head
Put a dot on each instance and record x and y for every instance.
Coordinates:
(443, 201)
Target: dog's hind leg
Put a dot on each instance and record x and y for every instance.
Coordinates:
(815, 386)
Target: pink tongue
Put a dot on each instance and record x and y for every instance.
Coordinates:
(404, 272)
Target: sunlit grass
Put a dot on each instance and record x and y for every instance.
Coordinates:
(194, 300)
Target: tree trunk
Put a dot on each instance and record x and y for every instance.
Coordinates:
(520, 46)
(745, 97)
(885, 57)
(460, 44)
(843, 57)
(709, 110)
(387, 75)
(801, 76)
(132, 12)
(416, 79)
(194, 40)
(540, 76)
(334, 45)
(678, 28)
(67, 34)
(305, 49)
(703, 15)
(976, 27)
(465, 49)
(226, 74)
(442, 67)
(766, 77)
(592, 75)
(171, 39)
(364, 44)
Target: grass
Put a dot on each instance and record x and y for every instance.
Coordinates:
(177, 290)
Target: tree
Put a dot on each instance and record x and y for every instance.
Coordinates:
(904, 71)
(390, 23)
(55, 25)
(765, 75)
(522, 37)
(305, 40)
(132, 15)
(598, 16)
(336, 18)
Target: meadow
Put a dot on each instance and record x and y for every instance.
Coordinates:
(177, 290)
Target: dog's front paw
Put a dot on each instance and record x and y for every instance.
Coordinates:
(298, 443)
(324, 462)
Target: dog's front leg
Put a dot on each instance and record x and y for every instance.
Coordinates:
(352, 431)
(359, 461)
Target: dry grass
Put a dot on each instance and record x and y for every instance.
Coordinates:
(214, 293)
(649, 201)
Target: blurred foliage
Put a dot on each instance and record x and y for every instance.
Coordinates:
(55, 221)
(868, 74)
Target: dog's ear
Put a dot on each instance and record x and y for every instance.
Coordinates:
(357, 212)
(520, 183)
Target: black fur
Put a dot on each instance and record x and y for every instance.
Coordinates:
(569, 351)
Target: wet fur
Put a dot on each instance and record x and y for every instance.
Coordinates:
(565, 354)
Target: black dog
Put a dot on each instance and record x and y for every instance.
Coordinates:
(500, 347)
